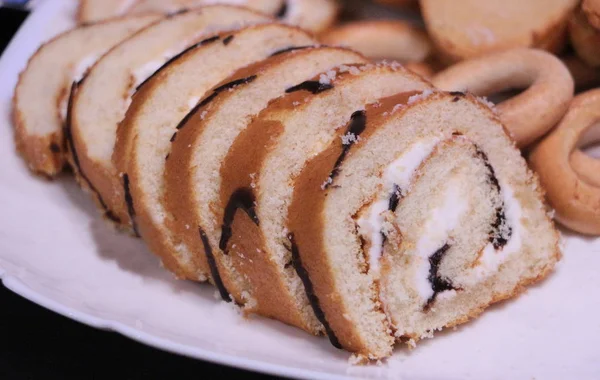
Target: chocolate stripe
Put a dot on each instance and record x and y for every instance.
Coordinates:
(395, 198)
(438, 283)
(109, 214)
(214, 270)
(129, 202)
(176, 57)
(243, 199)
(310, 293)
(289, 49)
(234, 83)
(496, 237)
(313, 86)
(356, 126)
(210, 98)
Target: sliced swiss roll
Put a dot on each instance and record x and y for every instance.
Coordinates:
(102, 97)
(95, 10)
(90, 11)
(313, 15)
(193, 176)
(270, 7)
(40, 99)
(259, 169)
(416, 218)
(158, 108)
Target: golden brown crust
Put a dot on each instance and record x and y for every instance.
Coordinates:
(37, 151)
(576, 202)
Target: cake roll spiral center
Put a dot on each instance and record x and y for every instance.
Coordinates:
(441, 258)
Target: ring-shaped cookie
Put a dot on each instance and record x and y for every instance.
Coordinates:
(530, 114)
(586, 166)
(591, 8)
(576, 202)
(389, 39)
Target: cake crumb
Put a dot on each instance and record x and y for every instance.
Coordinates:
(327, 182)
(350, 138)
(395, 65)
(296, 103)
(487, 103)
(343, 68)
(187, 226)
(357, 359)
(354, 70)
(327, 77)
(397, 107)
(418, 97)
(203, 115)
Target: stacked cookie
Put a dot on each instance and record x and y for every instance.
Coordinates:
(306, 184)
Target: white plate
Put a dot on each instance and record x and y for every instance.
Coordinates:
(57, 252)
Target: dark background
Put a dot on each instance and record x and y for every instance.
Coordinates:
(38, 344)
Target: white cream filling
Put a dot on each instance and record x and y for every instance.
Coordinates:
(400, 173)
(491, 258)
(443, 220)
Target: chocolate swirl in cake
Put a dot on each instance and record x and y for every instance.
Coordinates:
(356, 126)
(241, 199)
(312, 86)
(438, 283)
(176, 57)
(310, 293)
(214, 270)
(68, 132)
